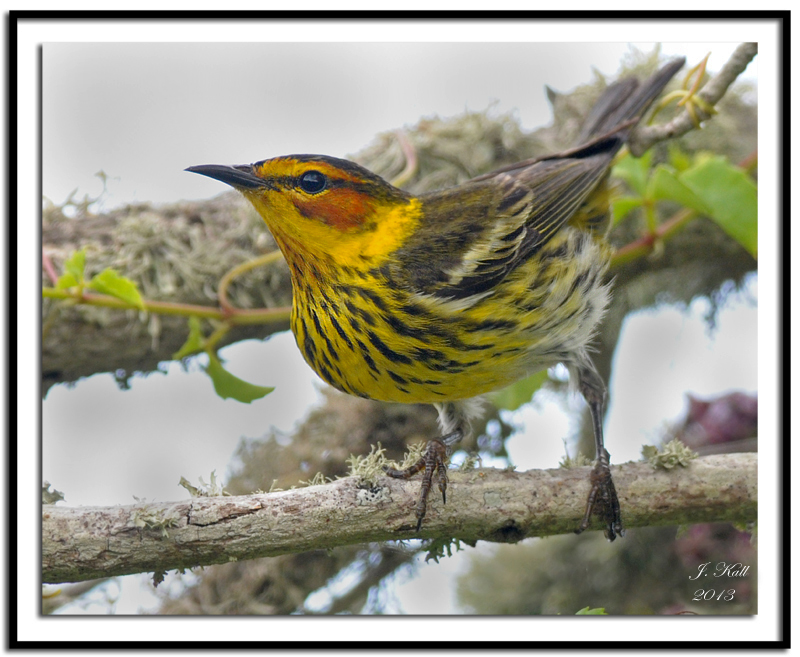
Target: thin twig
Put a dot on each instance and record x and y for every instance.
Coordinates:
(277, 317)
(48, 267)
(239, 270)
(410, 153)
(644, 138)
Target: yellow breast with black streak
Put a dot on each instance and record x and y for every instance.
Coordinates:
(450, 295)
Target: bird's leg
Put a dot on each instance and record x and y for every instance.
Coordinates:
(454, 423)
(602, 499)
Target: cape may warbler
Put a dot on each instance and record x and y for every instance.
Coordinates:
(442, 297)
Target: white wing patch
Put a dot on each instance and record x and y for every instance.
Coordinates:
(448, 304)
(504, 237)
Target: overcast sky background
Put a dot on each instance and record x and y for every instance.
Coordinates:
(142, 112)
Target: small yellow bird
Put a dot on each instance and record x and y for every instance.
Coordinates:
(442, 297)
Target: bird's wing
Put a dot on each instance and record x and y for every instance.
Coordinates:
(476, 234)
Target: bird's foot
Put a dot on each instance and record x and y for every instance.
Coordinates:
(433, 461)
(603, 501)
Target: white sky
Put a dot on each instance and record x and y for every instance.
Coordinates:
(142, 112)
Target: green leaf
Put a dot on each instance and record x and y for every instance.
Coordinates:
(679, 160)
(514, 396)
(76, 264)
(194, 343)
(66, 281)
(634, 171)
(599, 611)
(73, 270)
(621, 207)
(110, 282)
(664, 185)
(731, 195)
(228, 386)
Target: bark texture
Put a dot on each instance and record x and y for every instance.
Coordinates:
(492, 505)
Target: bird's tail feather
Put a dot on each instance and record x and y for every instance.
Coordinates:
(626, 101)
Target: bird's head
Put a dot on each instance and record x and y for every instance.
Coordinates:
(323, 208)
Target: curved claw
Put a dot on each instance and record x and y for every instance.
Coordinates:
(433, 459)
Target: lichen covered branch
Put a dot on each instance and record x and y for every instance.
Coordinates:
(483, 504)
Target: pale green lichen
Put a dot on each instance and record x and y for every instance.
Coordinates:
(673, 454)
(369, 468)
(149, 517)
(213, 489)
(579, 460)
(471, 462)
(317, 480)
(413, 455)
(273, 488)
(50, 496)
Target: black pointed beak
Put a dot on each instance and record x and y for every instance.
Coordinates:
(240, 176)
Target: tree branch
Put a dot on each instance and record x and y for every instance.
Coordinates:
(645, 137)
(483, 504)
(176, 254)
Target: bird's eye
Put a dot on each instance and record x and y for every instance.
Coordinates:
(312, 182)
